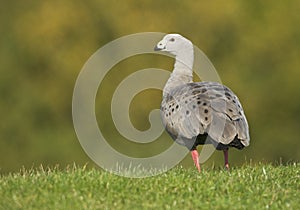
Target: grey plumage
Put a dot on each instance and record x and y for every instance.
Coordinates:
(201, 108)
(196, 113)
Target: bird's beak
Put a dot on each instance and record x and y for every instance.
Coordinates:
(157, 48)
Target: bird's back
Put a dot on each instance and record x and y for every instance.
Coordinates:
(201, 109)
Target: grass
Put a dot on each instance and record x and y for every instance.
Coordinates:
(261, 186)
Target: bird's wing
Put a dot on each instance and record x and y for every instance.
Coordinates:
(204, 107)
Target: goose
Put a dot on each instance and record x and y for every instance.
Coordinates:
(197, 113)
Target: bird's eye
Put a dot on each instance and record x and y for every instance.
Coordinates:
(172, 40)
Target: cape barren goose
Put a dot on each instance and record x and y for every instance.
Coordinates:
(197, 113)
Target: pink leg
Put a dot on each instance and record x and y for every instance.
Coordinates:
(195, 157)
(226, 158)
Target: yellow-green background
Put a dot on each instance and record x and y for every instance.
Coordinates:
(254, 45)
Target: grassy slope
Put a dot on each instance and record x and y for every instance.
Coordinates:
(248, 187)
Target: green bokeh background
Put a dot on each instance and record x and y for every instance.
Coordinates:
(254, 45)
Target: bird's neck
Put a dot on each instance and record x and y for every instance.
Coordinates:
(182, 72)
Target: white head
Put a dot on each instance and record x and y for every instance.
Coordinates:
(174, 44)
(183, 50)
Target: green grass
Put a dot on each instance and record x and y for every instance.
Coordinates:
(260, 186)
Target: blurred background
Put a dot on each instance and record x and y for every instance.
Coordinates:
(254, 45)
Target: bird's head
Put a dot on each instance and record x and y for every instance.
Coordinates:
(174, 44)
